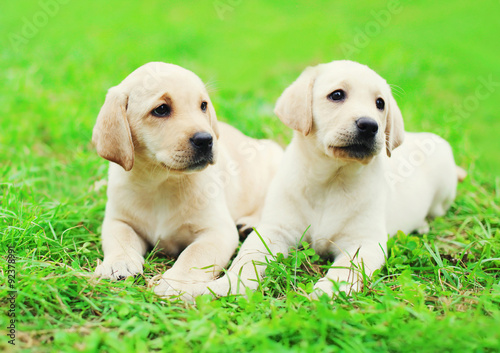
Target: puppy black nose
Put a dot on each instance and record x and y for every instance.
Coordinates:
(202, 141)
(367, 127)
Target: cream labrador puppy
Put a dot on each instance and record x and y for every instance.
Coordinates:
(347, 175)
(179, 179)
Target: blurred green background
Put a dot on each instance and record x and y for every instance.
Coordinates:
(58, 58)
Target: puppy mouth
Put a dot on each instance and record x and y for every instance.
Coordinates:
(200, 163)
(359, 151)
(357, 148)
(193, 165)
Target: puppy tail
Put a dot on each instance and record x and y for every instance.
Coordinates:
(461, 174)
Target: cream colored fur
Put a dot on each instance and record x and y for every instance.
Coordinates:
(351, 202)
(159, 195)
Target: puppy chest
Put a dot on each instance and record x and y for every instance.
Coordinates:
(326, 226)
(335, 221)
(157, 221)
(169, 225)
(172, 242)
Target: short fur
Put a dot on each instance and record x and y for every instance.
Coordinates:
(351, 193)
(160, 191)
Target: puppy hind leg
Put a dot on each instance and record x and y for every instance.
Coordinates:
(424, 228)
(440, 206)
(461, 174)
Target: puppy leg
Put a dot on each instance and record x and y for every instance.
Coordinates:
(198, 264)
(250, 264)
(346, 273)
(123, 251)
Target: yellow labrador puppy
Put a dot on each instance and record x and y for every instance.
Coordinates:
(179, 179)
(347, 175)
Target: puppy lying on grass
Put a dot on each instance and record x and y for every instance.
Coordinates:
(178, 179)
(348, 175)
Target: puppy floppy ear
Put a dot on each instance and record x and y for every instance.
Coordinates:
(111, 135)
(213, 118)
(294, 106)
(394, 128)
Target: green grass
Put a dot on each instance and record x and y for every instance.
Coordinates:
(438, 292)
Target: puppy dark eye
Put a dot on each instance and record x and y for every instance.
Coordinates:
(380, 103)
(338, 95)
(203, 106)
(162, 111)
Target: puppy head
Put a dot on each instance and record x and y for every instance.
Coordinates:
(346, 108)
(162, 114)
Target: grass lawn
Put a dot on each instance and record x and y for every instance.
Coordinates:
(439, 292)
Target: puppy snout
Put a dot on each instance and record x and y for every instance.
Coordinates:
(202, 141)
(367, 128)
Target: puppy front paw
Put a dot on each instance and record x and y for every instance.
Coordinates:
(187, 290)
(118, 268)
(184, 290)
(162, 288)
(326, 286)
(230, 284)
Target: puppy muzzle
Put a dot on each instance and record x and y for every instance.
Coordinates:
(202, 145)
(200, 163)
(362, 144)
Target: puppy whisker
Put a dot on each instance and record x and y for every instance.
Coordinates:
(211, 85)
(398, 91)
